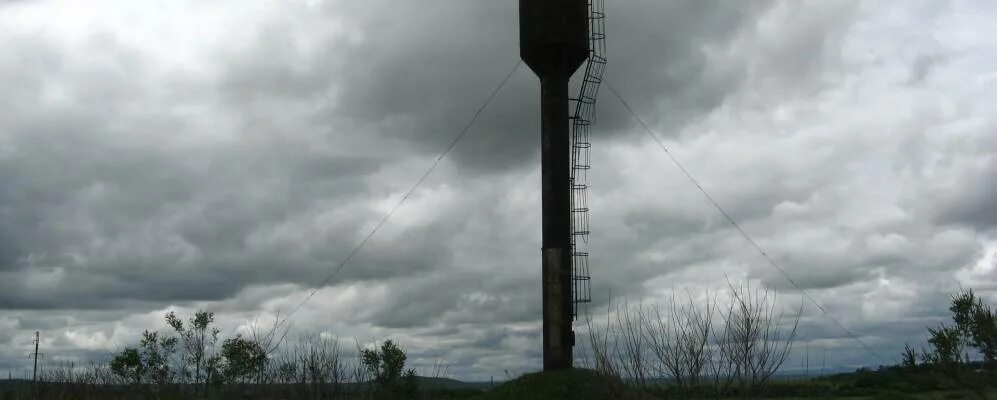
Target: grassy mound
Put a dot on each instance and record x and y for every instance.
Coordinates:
(573, 384)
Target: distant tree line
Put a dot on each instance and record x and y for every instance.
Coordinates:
(959, 357)
(191, 361)
(970, 342)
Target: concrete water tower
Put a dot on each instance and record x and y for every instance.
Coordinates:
(554, 41)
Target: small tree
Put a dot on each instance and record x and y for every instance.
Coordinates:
(975, 327)
(243, 358)
(155, 357)
(909, 357)
(387, 367)
(150, 362)
(985, 333)
(947, 347)
(197, 338)
(976, 323)
(128, 365)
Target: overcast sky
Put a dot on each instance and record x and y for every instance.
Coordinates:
(177, 155)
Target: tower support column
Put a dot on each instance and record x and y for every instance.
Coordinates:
(555, 153)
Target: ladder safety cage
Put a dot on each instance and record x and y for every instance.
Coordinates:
(581, 145)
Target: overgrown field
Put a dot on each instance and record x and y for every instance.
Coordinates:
(685, 350)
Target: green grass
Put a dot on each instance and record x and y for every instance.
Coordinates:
(571, 384)
(940, 395)
(580, 384)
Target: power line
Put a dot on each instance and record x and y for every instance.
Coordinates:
(408, 193)
(738, 227)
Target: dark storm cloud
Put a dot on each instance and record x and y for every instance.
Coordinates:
(105, 219)
(658, 58)
(418, 78)
(235, 170)
(178, 222)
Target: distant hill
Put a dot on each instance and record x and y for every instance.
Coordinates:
(570, 384)
(451, 384)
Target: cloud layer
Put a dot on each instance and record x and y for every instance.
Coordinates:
(228, 156)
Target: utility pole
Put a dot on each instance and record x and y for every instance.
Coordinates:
(34, 374)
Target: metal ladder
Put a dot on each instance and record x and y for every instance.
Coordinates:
(581, 145)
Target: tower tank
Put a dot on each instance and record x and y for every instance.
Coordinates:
(553, 35)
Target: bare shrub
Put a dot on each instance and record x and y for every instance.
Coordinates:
(692, 349)
(630, 344)
(68, 380)
(679, 339)
(313, 366)
(440, 370)
(601, 347)
(755, 342)
(603, 359)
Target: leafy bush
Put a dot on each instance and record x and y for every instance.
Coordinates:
(387, 368)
